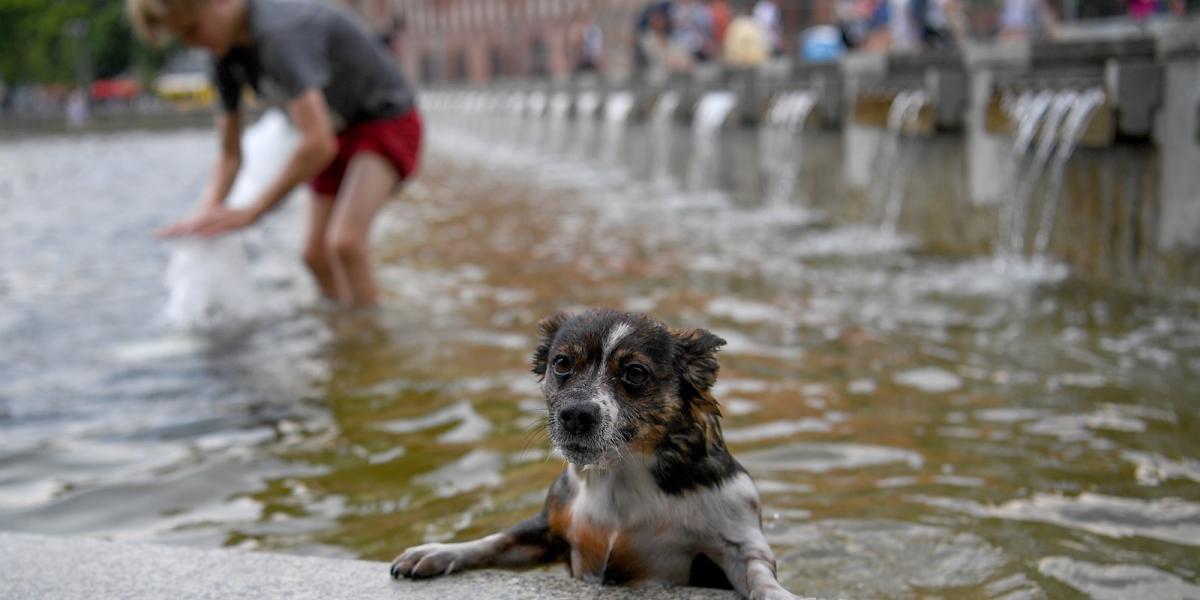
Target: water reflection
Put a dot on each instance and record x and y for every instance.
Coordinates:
(917, 425)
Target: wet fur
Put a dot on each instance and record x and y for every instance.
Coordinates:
(650, 494)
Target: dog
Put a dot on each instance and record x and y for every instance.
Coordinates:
(650, 495)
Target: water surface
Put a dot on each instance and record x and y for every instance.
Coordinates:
(918, 426)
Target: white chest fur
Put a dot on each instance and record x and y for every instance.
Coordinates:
(623, 525)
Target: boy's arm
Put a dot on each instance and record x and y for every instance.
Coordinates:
(229, 160)
(317, 147)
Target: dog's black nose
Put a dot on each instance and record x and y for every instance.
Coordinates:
(579, 418)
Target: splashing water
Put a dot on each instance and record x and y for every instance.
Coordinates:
(895, 166)
(711, 113)
(1014, 245)
(209, 284)
(1027, 111)
(660, 122)
(535, 104)
(209, 281)
(783, 146)
(617, 108)
(1072, 130)
(586, 105)
(560, 106)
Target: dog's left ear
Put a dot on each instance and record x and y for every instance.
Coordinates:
(696, 362)
(547, 329)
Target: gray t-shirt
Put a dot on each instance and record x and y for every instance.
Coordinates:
(298, 45)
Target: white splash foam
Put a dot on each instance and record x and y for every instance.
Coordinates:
(929, 379)
(157, 349)
(744, 311)
(209, 282)
(1168, 519)
(820, 458)
(776, 429)
(472, 427)
(478, 469)
(1153, 469)
(1116, 581)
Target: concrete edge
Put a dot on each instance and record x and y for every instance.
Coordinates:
(36, 566)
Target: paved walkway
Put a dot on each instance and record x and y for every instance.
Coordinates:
(65, 568)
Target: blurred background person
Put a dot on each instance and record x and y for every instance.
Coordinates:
(746, 42)
(934, 21)
(902, 28)
(661, 53)
(722, 14)
(360, 130)
(877, 33)
(1027, 19)
(766, 12)
(692, 28)
(77, 108)
(822, 43)
(587, 41)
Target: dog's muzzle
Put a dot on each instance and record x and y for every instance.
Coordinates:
(579, 419)
(579, 437)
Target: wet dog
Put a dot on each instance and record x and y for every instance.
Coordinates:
(650, 494)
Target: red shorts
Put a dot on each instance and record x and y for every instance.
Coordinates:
(397, 140)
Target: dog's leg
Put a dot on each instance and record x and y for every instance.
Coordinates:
(750, 567)
(526, 543)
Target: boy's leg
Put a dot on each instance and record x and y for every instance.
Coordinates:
(316, 257)
(368, 182)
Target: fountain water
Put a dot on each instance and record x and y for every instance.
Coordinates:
(533, 127)
(665, 106)
(1027, 111)
(711, 113)
(894, 166)
(1082, 109)
(661, 120)
(1058, 120)
(587, 104)
(210, 284)
(535, 104)
(617, 109)
(782, 146)
(559, 107)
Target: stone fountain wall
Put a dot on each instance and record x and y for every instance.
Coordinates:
(1129, 210)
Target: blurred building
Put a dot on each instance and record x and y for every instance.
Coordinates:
(480, 40)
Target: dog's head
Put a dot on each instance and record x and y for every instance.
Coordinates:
(615, 381)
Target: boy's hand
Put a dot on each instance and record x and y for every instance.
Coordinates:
(210, 222)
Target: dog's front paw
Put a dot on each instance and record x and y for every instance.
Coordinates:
(772, 593)
(429, 560)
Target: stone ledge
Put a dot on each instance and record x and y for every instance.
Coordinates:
(50, 567)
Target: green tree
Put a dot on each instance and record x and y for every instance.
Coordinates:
(36, 45)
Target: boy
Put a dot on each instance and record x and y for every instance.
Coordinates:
(359, 127)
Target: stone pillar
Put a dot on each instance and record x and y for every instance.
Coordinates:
(859, 141)
(987, 152)
(1177, 130)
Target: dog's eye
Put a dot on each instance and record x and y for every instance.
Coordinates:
(563, 365)
(635, 374)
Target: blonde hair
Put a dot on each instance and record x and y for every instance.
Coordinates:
(149, 17)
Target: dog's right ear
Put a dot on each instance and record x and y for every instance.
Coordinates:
(696, 362)
(547, 329)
